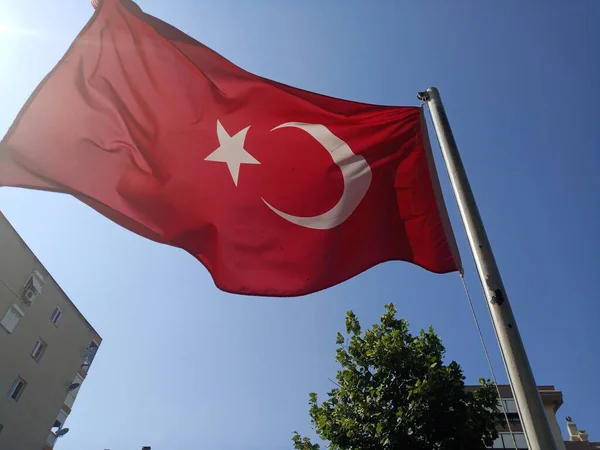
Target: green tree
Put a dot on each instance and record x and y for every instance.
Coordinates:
(395, 392)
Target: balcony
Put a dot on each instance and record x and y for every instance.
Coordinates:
(51, 440)
(88, 358)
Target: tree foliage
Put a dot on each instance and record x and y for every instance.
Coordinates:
(395, 392)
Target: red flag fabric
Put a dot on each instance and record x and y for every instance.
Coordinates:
(277, 191)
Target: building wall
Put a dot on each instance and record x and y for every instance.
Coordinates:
(552, 400)
(26, 424)
(551, 414)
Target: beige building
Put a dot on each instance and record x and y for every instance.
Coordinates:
(512, 432)
(46, 348)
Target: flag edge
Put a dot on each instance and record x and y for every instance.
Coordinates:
(439, 196)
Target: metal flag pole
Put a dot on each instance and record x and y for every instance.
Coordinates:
(529, 403)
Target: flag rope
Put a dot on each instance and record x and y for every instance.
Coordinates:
(487, 357)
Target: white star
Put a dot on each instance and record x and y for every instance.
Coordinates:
(231, 151)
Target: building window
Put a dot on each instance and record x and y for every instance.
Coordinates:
(17, 388)
(11, 318)
(505, 440)
(38, 350)
(33, 287)
(56, 314)
(509, 406)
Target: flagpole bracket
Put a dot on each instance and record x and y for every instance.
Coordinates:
(424, 96)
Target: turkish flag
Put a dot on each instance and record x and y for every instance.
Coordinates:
(277, 191)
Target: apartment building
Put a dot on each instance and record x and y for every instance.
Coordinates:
(511, 433)
(46, 349)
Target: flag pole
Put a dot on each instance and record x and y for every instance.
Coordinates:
(529, 403)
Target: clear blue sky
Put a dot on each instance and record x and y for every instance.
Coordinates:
(186, 366)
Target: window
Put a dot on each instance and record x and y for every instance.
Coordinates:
(509, 406)
(55, 317)
(17, 388)
(505, 440)
(33, 287)
(521, 441)
(11, 318)
(38, 350)
(1, 426)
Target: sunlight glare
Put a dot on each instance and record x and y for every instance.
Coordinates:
(11, 35)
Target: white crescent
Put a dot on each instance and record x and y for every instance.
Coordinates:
(356, 173)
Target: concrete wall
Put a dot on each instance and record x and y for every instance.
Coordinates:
(551, 414)
(27, 422)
